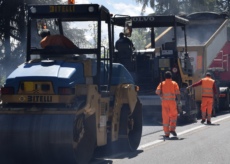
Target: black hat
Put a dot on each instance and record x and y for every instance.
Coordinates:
(168, 75)
(208, 74)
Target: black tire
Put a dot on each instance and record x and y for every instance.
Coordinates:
(190, 107)
(85, 148)
(198, 105)
(227, 101)
(182, 119)
(135, 135)
(217, 105)
(224, 101)
(129, 141)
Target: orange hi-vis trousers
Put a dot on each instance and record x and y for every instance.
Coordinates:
(206, 106)
(169, 115)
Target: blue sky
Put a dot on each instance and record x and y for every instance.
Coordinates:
(127, 7)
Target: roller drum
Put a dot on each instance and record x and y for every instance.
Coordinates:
(37, 139)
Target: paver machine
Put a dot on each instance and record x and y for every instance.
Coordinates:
(59, 105)
(148, 67)
(208, 48)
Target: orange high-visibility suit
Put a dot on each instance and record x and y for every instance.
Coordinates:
(208, 88)
(58, 40)
(169, 90)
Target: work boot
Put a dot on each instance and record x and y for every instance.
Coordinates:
(202, 121)
(209, 122)
(166, 137)
(173, 133)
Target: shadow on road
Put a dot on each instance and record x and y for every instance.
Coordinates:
(212, 124)
(107, 158)
(171, 138)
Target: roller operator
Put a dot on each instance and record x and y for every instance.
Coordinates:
(55, 40)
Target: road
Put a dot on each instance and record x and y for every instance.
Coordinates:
(196, 143)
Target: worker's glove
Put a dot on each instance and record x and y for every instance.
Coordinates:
(160, 96)
(179, 104)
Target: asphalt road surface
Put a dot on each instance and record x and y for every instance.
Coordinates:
(151, 124)
(196, 143)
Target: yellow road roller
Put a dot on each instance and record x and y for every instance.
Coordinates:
(62, 103)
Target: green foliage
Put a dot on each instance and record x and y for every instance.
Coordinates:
(2, 80)
(104, 39)
(93, 29)
(222, 5)
(76, 35)
(201, 5)
(140, 38)
(13, 32)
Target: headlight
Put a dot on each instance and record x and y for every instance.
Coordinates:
(91, 9)
(33, 10)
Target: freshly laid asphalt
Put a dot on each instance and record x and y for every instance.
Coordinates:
(196, 143)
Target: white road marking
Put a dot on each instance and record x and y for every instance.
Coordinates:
(141, 147)
(180, 133)
(149, 144)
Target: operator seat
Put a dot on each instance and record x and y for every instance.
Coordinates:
(124, 55)
(54, 48)
(170, 46)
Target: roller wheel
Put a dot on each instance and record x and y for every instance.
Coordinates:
(198, 105)
(227, 101)
(182, 119)
(129, 140)
(84, 138)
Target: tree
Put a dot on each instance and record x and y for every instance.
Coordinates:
(222, 5)
(13, 32)
(140, 38)
(201, 5)
(104, 39)
(162, 7)
(167, 7)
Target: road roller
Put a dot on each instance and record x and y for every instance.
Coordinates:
(62, 104)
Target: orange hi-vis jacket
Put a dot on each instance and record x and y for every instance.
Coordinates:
(169, 89)
(58, 40)
(207, 87)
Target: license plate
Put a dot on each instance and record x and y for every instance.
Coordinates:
(29, 86)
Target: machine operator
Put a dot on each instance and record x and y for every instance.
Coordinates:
(208, 88)
(168, 90)
(123, 39)
(58, 40)
(124, 55)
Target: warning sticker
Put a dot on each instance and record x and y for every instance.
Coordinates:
(102, 121)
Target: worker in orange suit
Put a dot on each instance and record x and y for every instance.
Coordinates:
(168, 90)
(208, 88)
(58, 40)
(71, 1)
